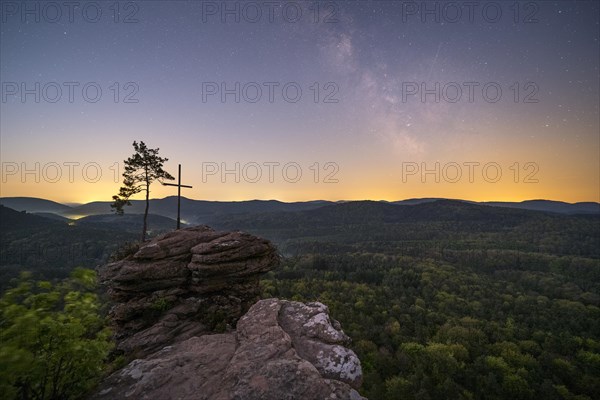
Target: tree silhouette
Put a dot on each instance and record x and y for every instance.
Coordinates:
(141, 169)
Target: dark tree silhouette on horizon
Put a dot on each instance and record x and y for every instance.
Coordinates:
(141, 169)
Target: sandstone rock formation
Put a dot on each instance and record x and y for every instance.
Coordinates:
(177, 301)
(184, 283)
(280, 350)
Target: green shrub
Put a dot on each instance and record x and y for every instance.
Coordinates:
(53, 342)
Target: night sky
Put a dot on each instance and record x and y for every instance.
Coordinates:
(358, 96)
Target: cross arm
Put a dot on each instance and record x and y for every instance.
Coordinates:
(174, 184)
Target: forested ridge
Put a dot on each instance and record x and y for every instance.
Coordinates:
(51, 249)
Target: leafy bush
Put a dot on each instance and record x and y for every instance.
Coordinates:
(53, 342)
(161, 304)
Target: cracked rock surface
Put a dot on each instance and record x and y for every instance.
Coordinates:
(280, 350)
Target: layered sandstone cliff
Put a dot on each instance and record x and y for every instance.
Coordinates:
(186, 309)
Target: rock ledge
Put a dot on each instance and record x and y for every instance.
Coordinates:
(280, 350)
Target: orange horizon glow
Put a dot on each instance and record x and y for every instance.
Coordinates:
(564, 183)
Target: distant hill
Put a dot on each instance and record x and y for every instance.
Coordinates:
(196, 211)
(33, 204)
(51, 248)
(357, 213)
(412, 228)
(551, 206)
(11, 220)
(128, 222)
(53, 216)
(202, 212)
(411, 202)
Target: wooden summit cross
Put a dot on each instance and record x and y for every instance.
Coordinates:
(179, 186)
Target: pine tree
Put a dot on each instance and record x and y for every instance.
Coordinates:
(141, 169)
